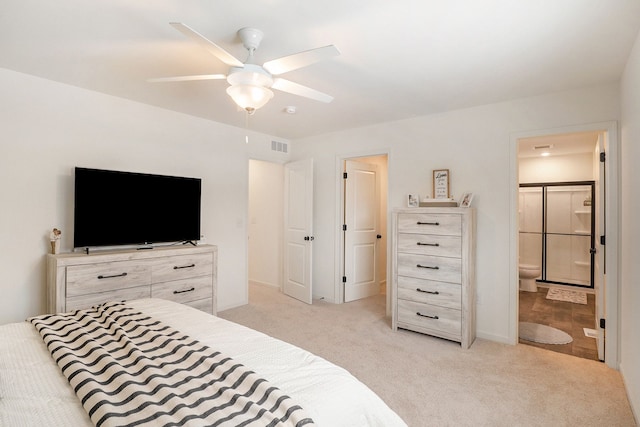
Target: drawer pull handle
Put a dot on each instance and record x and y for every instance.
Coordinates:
(183, 266)
(184, 291)
(428, 223)
(429, 267)
(428, 244)
(112, 276)
(428, 292)
(426, 315)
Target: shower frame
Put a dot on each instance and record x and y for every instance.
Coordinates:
(592, 250)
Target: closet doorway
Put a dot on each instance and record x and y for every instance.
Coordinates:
(362, 240)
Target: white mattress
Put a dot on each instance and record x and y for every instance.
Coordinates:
(33, 391)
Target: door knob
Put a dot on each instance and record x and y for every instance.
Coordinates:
(309, 238)
(379, 236)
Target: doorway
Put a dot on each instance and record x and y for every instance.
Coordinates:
(547, 167)
(266, 220)
(363, 236)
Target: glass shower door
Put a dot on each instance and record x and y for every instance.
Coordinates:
(568, 234)
(531, 226)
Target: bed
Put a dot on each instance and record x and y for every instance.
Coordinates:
(34, 392)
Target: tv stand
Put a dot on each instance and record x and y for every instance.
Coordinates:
(183, 274)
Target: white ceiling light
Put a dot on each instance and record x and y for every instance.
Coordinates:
(249, 87)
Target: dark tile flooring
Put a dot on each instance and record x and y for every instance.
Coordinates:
(566, 316)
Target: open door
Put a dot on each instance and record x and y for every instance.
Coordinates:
(361, 234)
(600, 277)
(298, 229)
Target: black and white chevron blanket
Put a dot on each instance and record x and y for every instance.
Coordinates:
(129, 369)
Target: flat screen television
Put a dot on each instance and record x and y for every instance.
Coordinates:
(114, 208)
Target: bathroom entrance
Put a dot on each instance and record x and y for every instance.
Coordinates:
(557, 231)
(560, 256)
(571, 154)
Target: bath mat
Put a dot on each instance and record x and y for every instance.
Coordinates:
(544, 334)
(577, 297)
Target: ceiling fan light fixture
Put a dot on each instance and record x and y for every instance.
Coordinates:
(249, 97)
(249, 83)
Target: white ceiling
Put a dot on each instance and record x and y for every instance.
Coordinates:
(558, 145)
(398, 59)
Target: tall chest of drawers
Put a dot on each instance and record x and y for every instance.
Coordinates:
(183, 274)
(433, 272)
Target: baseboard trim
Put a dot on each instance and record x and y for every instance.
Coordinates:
(492, 337)
(630, 395)
(258, 283)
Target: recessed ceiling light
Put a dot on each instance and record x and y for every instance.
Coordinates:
(291, 109)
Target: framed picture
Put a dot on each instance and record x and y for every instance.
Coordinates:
(413, 200)
(441, 184)
(465, 202)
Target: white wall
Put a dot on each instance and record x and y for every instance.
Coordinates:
(474, 144)
(48, 128)
(630, 238)
(575, 167)
(266, 222)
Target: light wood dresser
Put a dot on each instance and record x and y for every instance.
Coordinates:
(433, 272)
(183, 274)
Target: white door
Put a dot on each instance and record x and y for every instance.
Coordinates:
(361, 221)
(298, 232)
(599, 259)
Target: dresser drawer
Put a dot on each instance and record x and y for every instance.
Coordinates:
(426, 223)
(87, 301)
(88, 279)
(430, 244)
(182, 267)
(184, 290)
(441, 269)
(430, 319)
(429, 292)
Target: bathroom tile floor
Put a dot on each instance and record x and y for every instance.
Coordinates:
(566, 316)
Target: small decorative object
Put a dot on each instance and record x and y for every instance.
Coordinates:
(413, 200)
(441, 184)
(465, 202)
(54, 237)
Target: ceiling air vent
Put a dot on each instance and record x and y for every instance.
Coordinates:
(279, 146)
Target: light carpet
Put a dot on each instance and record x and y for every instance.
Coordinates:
(433, 382)
(543, 334)
(576, 297)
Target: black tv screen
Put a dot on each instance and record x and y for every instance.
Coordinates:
(123, 208)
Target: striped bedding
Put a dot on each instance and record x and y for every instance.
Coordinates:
(128, 368)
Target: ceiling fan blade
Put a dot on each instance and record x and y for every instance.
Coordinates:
(301, 59)
(213, 48)
(187, 78)
(297, 89)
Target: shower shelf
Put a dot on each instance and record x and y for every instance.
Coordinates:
(582, 263)
(582, 232)
(582, 212)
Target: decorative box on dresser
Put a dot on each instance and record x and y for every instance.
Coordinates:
(433, 272)
(183, 274)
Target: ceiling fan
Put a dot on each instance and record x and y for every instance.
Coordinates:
(250, 83)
